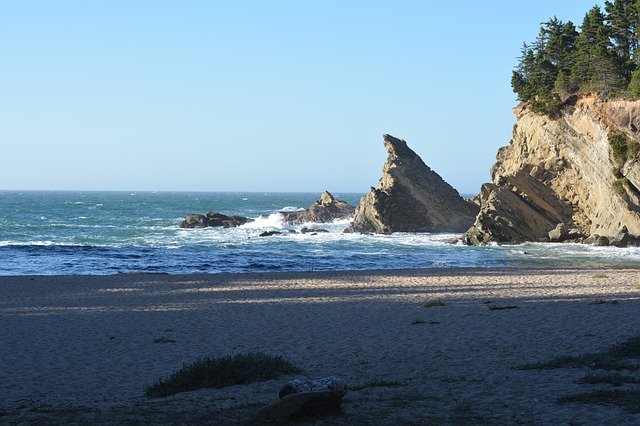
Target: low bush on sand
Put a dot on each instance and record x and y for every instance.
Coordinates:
(435, 304)
(221, 372)
(612, 358)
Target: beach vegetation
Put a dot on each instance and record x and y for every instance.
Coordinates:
(604, 302)
(221, 372)
(377, 383)
(614, 379)
(501, 307)
(163, 340)
(600, 56)
(615, 357)
(625, 398)
(435, 304)
(618, 142)
(599, 275)
(621, 185)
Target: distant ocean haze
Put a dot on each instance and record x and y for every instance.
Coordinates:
(46, 233)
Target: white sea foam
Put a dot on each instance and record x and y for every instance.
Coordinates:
(273, 221)
(291, 209)
(44, 243)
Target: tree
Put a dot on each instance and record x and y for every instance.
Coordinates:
(596, 67)
(602, 57)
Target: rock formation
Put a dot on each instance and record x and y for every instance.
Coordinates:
(569, 177)
(326, 209)
(213, 219)
(410, 197)
(303, 398)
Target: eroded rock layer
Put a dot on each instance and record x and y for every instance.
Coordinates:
(565, 178)
(411, 197)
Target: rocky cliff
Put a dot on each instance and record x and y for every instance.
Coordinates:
(564, 178)
(410, 197)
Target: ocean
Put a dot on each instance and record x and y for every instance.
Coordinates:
(69, 232)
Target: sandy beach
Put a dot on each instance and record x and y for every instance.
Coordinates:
(82, 349)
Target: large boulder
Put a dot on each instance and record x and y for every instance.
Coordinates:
(564, 170)
(219, 219)
(195, 221)
(624, 239)
(213, 219)
(411, 197)
(304, 398)
(326, 209)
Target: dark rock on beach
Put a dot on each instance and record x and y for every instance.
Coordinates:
(302, 398)
(411, 197)
(326, 209)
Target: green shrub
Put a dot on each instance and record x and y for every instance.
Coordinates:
(633, 148)
(619, 148)
(547, 103)
(634, 85)
(221, 372)
(617, 173)
(620, 186)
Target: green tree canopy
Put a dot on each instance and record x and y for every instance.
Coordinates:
(601, 57)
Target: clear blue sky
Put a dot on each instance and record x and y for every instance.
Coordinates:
(256, 95)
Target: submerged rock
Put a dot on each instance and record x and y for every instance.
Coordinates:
(213, 219)
(562, 170)
(313, 231)
(326, 209)
(411, 197)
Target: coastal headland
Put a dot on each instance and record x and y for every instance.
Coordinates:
(414, 346)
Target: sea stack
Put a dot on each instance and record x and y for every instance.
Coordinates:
(411, 197)
(574, 176)
(326, 209)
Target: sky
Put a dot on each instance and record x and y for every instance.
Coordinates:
(256, 95)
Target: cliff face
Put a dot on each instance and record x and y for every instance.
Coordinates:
(410, 197)
(564, 171)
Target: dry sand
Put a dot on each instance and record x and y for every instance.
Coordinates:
(80, 349)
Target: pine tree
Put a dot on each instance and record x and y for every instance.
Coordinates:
(603, 57)
(596, 67)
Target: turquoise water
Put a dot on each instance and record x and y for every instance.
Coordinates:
(109, 232)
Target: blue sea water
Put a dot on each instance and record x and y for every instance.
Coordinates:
(45, 233)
